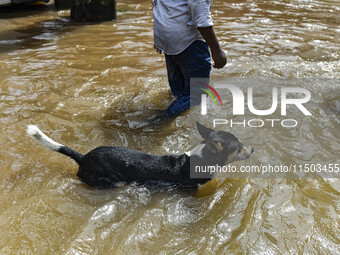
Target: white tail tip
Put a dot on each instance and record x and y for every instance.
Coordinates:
(34, 132)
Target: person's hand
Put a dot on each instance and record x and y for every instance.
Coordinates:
(158, 50)
(219, 57)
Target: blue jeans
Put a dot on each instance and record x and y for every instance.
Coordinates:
(193, 62)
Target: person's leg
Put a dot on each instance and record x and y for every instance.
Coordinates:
(194, 62)
(198, 65)
(175, 78)
(177, 83)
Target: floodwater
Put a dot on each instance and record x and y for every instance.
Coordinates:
(88, 85)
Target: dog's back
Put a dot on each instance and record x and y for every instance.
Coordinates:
(106, 166)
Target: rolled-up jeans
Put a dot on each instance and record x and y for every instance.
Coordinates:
(193, 62)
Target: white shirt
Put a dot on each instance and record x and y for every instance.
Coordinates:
(176, 23)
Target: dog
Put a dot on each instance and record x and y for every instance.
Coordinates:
(106, 167)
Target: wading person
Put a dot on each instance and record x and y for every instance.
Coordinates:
(183, 31)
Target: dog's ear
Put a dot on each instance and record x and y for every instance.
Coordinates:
(203, 131)
(214, 147)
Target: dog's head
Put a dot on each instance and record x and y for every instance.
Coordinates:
(224, 145)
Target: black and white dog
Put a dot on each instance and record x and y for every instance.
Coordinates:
(105, 167)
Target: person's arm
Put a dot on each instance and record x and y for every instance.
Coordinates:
(218, 55)
(201, 15)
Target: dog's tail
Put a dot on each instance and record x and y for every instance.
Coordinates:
(34, 132)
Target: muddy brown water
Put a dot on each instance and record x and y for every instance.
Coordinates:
(88, 85)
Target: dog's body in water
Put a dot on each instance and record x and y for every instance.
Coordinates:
(105, 167)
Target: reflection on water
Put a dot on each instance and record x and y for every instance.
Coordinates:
(91, 84)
